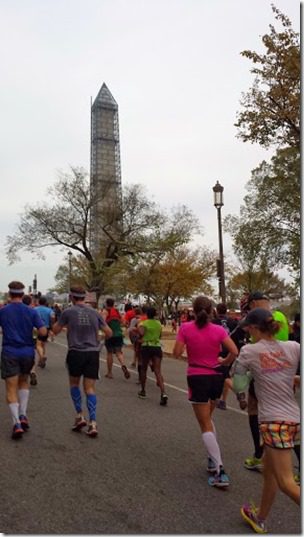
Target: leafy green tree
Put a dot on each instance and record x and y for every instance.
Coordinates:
(64, 220)
(271, 108)
(178, 275)
(263, 280)
(267, 233)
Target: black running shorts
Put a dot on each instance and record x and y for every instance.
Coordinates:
(204, 388)
(114, 344)
(12, 366)
(147, 353)
(83, 364)
(43, 338)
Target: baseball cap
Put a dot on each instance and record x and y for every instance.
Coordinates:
(257, 316)
(257, 295)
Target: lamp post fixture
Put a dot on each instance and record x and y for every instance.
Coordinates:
(218, 204)
(35, 293)
(70, 269)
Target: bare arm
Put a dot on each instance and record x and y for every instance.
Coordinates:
(42, 331)
(107, 331)
(179, 348)
(232, 349)
(57, 328)
(297, 381)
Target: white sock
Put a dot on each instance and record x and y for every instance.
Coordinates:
(14, 408)
(23, 396)
(213, 449)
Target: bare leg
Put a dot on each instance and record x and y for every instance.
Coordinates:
(203, 413)
(227, 387)
(143, 374)
(120, 357)
(11, 384)
(283, 470)
(277, 474)
(109, 365)
(40, 350)
(158, 375)
(270, 486)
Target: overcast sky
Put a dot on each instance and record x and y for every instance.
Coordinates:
(175, 70)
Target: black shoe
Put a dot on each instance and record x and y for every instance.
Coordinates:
(163, 399)
(125, 371)
(142, 394)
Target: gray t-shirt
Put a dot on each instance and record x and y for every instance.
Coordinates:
(273, 365)
(82, 324)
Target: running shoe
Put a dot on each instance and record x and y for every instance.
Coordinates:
(125, 371)
(142, 394)
(211, 466)
(92, 430)
(42, 362)
(249, 513)
(33, 379)
(163, 399)
(221, 404)
(80, 422)
(253, 463)
(24, 422)
(17, 431)
(220, 480)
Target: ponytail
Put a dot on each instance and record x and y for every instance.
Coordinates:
(202, 308)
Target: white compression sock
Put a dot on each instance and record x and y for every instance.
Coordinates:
(14, 408)
(23, 401)
(213, 449)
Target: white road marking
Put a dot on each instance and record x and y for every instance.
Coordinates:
(238, 411)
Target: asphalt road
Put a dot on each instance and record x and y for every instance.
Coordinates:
(144, 474)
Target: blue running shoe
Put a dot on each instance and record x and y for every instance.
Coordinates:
(24, 423)
(220, 480)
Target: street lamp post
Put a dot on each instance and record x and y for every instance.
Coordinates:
(218, 204)
(35, 294)
(70, 269)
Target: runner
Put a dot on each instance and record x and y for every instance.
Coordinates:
(203, 341)
(48, 316)
(18, 354)
(273, 365)
(27, 299)
(83, 325)
(151, 352)
(134, 336)
(258, 299)
(115, 343)
(230, 326)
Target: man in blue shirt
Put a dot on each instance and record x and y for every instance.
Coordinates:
(48, 317)
(18, 354)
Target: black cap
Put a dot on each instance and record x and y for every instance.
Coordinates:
(257, 295)
(257, 316)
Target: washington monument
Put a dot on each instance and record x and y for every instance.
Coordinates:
(105, 176)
